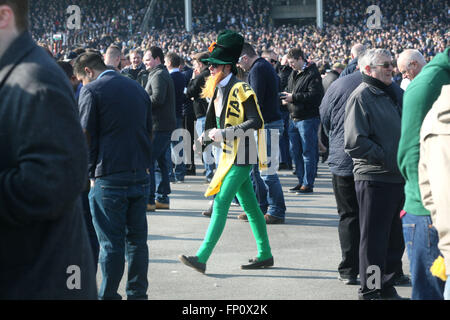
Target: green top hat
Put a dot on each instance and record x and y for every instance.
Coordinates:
(227, 49)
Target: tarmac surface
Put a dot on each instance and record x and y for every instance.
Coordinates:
(306, 249)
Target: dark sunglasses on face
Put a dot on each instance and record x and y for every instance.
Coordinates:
(385, 65)
(273, 61)
(214, 65)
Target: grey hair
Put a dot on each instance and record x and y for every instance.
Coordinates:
(358, 50)
(410, 55)
(372, 57)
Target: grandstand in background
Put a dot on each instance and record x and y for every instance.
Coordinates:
(294, 12)
(298, 12)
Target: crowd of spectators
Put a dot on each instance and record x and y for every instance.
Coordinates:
(417, 24)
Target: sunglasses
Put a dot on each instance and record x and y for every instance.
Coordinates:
(385, 65)
(273, 61)
(214, 65)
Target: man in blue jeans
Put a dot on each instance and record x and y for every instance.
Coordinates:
(265, 82)
(160, 88)
(303, 97)
(116, 116)
(175, 159)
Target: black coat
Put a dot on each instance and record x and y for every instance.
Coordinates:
(161, 90)
(194, 89)
(284, 72)
(44, 246)
(307, 93)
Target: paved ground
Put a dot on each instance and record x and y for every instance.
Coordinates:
(306, 250)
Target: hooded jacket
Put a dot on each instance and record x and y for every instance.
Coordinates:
(418, 99)
(434, 169)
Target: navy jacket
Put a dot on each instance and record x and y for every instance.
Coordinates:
(179, 82)
(351, 67)
(188, 105)
(43, 170)
(332, 114)
(265, 82)
(116, 114)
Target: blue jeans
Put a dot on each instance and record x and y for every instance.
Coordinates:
(118, 204)
(208, 157)
(267, 184)
(421, 240)
(285, 156)
(159, 181)
(171, 156)
(303, 137)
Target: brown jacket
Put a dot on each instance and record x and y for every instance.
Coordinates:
(434, 169)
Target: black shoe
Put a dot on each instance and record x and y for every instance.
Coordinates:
(401, 280)
(284, 166)
(348, 280)
(390, 294)
(208, 212)
(273, 220)
(257, 264)
(192, 261)
(190, 172)
(372, 295)
(304, 189)
(295, 189)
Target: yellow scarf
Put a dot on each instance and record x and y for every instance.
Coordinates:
(239, 93)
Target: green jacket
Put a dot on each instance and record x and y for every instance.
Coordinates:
(417, 101)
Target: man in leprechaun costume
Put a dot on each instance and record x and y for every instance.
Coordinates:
(233, 115)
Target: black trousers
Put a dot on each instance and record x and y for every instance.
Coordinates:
(381, 243)
(93, 240)
(348, 210)
(188, 124)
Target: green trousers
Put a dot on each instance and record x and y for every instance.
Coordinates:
(237, 182)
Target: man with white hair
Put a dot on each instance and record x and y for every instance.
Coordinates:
(371, 135)
(355, 52)
(410, 62)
